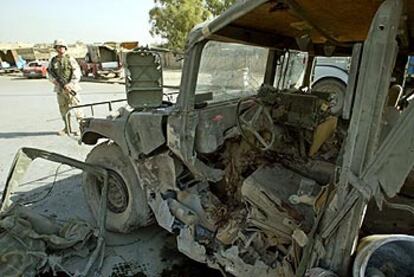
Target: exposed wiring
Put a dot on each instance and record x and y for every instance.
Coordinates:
(49, 191)
(45, 177)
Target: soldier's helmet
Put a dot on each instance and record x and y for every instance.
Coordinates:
(60, 42)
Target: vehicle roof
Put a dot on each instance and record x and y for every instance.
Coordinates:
(278, 24)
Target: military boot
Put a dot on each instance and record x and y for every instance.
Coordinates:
(62, 132)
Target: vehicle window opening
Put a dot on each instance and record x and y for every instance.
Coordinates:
(290, 70)
(229, 71)
(282, 69)
(309, 68)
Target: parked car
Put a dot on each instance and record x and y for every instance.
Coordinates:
(35, 69)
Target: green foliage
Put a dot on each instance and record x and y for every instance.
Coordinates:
(217, 7)
(173, 19)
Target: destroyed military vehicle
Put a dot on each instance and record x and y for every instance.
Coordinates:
(255, 175)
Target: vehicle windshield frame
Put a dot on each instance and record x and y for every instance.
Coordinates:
(191, 71)
(225, 69)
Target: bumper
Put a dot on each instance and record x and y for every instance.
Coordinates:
(33, 74)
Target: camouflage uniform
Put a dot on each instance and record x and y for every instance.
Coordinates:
(67, 69)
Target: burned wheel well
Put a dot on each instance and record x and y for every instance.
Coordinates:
(91, 138)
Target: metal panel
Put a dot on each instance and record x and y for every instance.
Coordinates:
(143, 79)
(346, 211)
(395, 157)
(353, 76)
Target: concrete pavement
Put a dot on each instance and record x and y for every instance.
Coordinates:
(29, 117)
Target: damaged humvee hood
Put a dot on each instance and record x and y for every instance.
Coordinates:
(280, 23)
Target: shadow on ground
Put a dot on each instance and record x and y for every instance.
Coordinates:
(11, 135)
(19, 78)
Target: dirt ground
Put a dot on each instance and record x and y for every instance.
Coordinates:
(29, 117)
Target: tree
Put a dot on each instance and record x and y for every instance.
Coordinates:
(173, 19)
(217, 7)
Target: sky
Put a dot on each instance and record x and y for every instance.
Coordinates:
(37, 21)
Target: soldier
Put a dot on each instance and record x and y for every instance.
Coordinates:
(65, 74)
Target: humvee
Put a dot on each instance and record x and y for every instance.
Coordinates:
(257, 175)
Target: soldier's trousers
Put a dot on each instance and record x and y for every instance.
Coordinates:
(66, 101)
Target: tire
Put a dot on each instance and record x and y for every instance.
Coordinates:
(127, 208)
(333, 85)
(84, 73)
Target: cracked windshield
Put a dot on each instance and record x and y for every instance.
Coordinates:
(230, 71)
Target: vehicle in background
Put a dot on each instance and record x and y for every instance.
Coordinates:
(35, 69)
(331, 74)
(334, 68)
(11, 61)
(101, 61)
(410, 67)
(105, 61)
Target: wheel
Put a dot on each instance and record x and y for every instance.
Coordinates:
(84, 72)
(337, 87)
(127, 207)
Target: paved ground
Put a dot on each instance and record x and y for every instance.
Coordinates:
(29, 117)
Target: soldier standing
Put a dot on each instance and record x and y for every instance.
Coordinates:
(65, 74)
